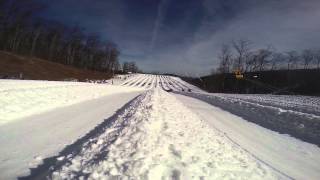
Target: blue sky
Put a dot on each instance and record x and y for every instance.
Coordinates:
(184, 36)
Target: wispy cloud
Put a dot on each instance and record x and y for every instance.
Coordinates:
(158, 22)
(184, 36)
(286, 24)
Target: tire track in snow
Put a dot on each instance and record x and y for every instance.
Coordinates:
(182, 88)
(159, 138)
(151, 82)
(130, 80)
(137, 80)
(174, 86)
(144, 83)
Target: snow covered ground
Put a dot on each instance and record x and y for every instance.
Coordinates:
(20, 98)
(159, 138)
(101, 131)
(39, 118)
(168, 83)
(297, 116)
(298, 159)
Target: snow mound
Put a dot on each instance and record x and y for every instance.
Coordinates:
(20, 98)
(159, 138)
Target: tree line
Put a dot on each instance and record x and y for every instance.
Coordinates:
(240, 56)
(130, 67)
(23, 31)
(263, 70)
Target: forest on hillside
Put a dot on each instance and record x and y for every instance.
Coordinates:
(24, 32)
(242, 55)
(263, 70)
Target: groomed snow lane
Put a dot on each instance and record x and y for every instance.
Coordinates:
(167, 83)
(289, 155)
(40, 118)
(157, 137)
(274, 114)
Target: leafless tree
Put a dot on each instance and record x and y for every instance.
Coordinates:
(35, 36)
(130, 67)
(292, 59)
(307, 56)
(277, 60)
(263, 58)
(24, 33)
(225, 58)
(317, 58)
(242, 48)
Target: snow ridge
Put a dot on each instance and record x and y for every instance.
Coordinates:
(22, 98)
(159, 138)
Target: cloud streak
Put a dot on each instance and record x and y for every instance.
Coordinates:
(184, 36)
(284, 24)
(157, 24)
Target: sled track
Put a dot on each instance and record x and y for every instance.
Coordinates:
(167, 83)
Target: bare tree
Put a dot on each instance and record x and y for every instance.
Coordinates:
(307, 56)
(292, 59)
(125, 67)
(35, 36)
(263, 58)
(24, 33)
(317, 58)
(277, 60)
(54, 40)
(130, 67)
(225, 58)
(251, 62)
(242, 48)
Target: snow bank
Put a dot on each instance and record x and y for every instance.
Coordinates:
(297, 116)
(159, 138)
(304, 104)
(292, 156)
(20, 98)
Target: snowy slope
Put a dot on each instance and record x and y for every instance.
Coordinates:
(159, 138)
(155, 136)
(148, 81)
(297, 116)
(39, 118)
(291, 156)
(19, 99)
(295, 104)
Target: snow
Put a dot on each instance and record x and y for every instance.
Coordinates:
(163, 81)
(159, 138)
(27, 141)
(294, 115)
(23, 98)
(300, 104)
(297, 159)
(130, 128)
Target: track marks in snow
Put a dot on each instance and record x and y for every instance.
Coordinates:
(159, 138)
(167, 83)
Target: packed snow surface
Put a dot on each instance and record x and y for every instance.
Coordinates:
(159, 138)
(306, 105)
(298, 116)
(155, 136)
(59, 121)
(167, 83)
(298, 159)
(24, 98)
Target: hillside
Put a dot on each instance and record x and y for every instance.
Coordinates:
(296, 81)
(137, 130)
(34, 68)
